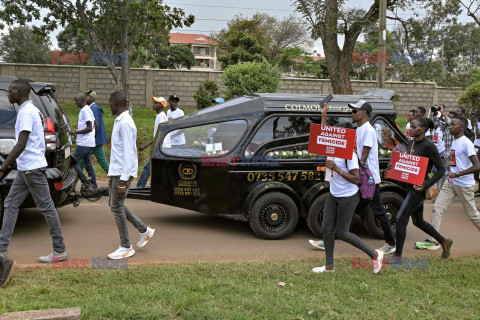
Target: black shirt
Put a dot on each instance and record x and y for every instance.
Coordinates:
(425, 148)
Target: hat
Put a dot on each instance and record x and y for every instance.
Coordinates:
(161, 100)
(361, 105)
(173, 97)
(219, 100)
(91, 93)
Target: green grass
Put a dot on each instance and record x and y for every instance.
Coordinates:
(144, 120)
(402, 123)
(449, 289)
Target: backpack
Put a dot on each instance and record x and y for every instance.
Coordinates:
(366, 191)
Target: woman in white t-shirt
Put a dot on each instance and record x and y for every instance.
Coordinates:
(340, 207)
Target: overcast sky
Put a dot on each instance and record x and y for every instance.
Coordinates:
(213, 15)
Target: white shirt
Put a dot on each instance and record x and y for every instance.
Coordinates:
(162, 117)
(30, 119)
(339, 187)
(460, 153)
(86, 139)
(123, 155)
(438, 140)
(366, 136)
(469, 124)
(180, 139)
(477, 134)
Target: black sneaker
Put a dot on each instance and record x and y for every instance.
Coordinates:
(6, 266)
(87, 189)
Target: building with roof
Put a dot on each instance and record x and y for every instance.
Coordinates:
(203, 48)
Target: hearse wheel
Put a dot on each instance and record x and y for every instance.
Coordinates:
(392, 202)
(315, 216)
(273, 216)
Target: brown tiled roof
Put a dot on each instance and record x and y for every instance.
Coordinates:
(191, 38)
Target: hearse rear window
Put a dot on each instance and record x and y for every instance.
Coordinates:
(214, 139)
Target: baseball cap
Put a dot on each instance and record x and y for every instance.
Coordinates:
(173, 97)
(91, 93)
(161, 100)
(361, 105)
(219, 100)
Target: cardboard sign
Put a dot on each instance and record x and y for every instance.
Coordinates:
(331, 141)
(408, 168)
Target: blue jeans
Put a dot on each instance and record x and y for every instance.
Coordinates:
(142, 182)
(379, 210)
(85, 154)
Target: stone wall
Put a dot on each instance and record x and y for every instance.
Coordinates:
(148, 82)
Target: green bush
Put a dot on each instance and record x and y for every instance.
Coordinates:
(470, 99)
(206, 92)
(249, 77)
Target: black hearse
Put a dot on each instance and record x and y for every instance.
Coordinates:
(247, 159)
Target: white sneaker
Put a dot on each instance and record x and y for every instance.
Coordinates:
(387, 249)
(322, 269)
(144, 237)
(377, 264)
(122, 253)
(319, 244)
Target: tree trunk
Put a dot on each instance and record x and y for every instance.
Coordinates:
(125, 69)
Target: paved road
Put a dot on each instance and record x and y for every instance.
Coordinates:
(183, 235)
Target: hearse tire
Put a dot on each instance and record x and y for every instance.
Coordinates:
(315, 215)
(392, 202)
(273, 216)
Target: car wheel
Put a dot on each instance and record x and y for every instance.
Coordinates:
(274, 216)
(392, 202)
(315, 215)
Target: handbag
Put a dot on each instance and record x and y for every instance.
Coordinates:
(432, 192)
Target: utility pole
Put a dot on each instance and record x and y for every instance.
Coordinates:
(382, 43)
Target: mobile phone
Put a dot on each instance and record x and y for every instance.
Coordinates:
(326, 100)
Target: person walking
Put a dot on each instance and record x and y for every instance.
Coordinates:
(159, 103)
(85, 143)
(464, 164)
(177, 137)
(367, 148)
(476, 144)
(29, 154)
(413, 203)
(340, 207)
(100, 132)
(123, 168)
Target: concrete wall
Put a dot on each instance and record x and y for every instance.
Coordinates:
(158, 82)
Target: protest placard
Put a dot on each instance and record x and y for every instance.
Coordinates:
(331, 141)
(408, 168)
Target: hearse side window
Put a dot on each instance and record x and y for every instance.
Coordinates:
(293, 152)
(278, 127)
(7, 111)
(210, 139)
(388, 139)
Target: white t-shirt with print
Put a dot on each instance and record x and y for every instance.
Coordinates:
(30, 119)
(438, 140)
(477, 134)
(162, 117)
(180, 139)
(460, 153)
(339, 187)
(366, 136)
(86, 139)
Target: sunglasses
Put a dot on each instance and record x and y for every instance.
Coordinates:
(354, 111)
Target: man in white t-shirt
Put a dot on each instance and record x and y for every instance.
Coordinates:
(461, 112)
(420, 113)
(463, 164)
(476, 144)
(85, 143)
(177, 136)
(367, 149)
(159, 103)
(31, 178)
(410, 118)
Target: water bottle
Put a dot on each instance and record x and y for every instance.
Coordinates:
(370, 181)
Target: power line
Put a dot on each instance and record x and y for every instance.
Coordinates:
(209, 6)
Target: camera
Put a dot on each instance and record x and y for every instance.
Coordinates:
(435, 108)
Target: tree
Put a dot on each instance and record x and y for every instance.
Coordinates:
(470, 99)
(74, 38)
(246, 49)
(302, 62)
(180, 56)
(328, 19)
(250, 77)
(22, 45)
(110, 24)
(206, 92)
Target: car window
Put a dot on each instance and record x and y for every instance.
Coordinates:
(7, 111)
(209, 139)
(292, 152)
(388, 139)
(276, 128)
(52, 109)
